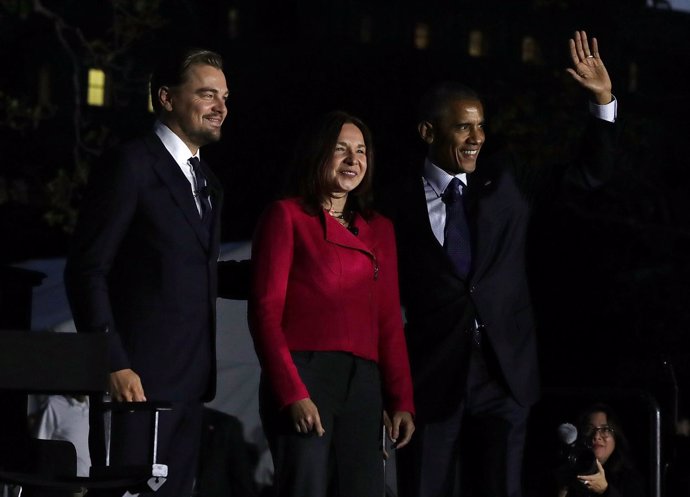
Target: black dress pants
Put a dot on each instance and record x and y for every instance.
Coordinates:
(484, 459)
(347, 460)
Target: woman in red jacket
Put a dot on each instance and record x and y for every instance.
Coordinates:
(325, 318)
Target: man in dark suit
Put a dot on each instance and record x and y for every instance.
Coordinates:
(143, 266)
(464, 287)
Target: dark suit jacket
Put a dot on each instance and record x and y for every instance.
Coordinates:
(144, 267)
(441, 306)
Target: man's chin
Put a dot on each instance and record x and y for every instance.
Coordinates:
(209, 136)
(468, 168)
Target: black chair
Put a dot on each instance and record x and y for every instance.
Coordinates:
(70, 364)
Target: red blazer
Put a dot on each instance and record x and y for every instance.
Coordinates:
(318, 287)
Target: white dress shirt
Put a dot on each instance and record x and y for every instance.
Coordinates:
(180, 152)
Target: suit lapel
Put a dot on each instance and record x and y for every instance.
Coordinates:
(417, 216)
(481, 227)
(419, 213)
(216, 193)
(172, 177)
(335, 233)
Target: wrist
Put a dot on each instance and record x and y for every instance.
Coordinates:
(603, 98)
(603, 489)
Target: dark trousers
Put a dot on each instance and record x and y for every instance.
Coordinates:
(226, 461)
(179, 435)
(347, 461)
(488, 451)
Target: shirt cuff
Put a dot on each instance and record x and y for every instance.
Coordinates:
(607, 112)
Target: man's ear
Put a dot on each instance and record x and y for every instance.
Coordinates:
(426, 131)
(165, 98)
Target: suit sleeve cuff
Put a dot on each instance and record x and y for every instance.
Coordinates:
(607, 112)
(117, 357)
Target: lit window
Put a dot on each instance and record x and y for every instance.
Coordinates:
(477, 46)
(96, 91)
(44, 85)
(365, 30)
(422, 36)
(233, 23)
(633, 77)
(530, 50)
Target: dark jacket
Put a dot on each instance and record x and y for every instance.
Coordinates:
(441, 306)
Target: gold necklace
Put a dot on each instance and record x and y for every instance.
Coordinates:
(340, 216)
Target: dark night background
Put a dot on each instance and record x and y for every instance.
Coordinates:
(610, 269)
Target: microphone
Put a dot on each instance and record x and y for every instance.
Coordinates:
(567, 433)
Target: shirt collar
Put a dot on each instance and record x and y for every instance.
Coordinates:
(173, 144)
(439, 179)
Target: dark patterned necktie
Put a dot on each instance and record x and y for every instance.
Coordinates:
(201, 188)
(457, 232)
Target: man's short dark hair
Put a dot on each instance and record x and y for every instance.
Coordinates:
(171, 70)
(436, 99)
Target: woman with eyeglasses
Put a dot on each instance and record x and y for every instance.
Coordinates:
(615, 475)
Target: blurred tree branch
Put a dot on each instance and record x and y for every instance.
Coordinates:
(110, 50)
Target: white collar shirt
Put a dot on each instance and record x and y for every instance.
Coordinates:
(181, 154)
(436, 180)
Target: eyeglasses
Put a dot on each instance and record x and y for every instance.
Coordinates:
(604, 431)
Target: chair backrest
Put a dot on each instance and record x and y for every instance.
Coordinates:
(45, 362)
